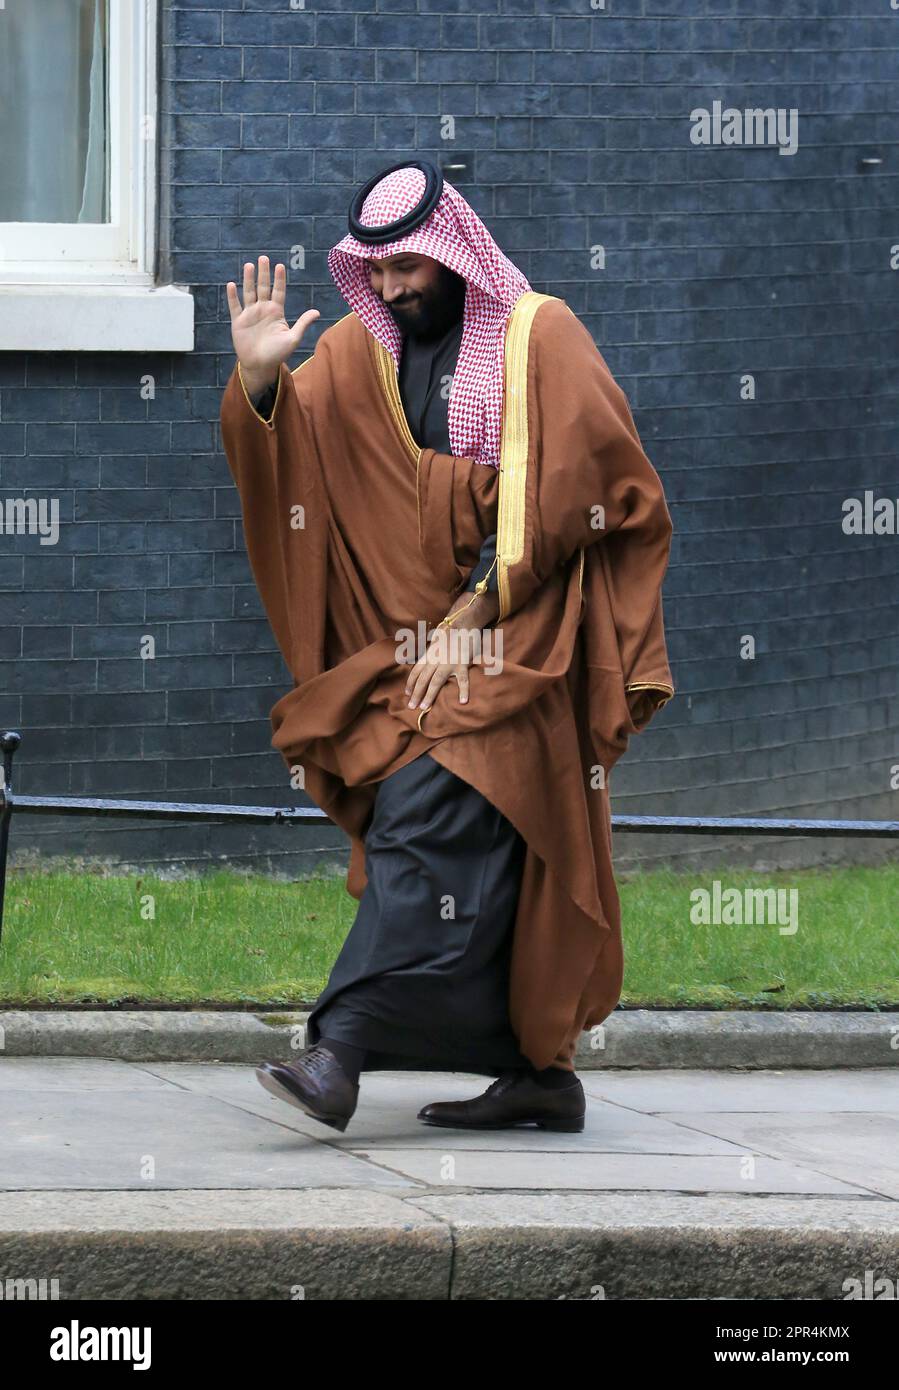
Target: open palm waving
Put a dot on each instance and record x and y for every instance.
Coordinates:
(262, 337)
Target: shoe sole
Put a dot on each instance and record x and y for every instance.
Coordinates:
(281, 1092)
(574, 1126)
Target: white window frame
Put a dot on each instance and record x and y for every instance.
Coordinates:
(91, 286)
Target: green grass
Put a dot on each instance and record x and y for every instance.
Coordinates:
(252, 940)
(845, 951)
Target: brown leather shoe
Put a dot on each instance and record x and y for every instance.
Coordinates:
(315, 1083)
(513, 1099)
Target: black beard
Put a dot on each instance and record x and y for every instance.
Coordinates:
(432, 312)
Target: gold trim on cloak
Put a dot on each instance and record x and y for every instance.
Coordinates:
(513, 466)
(652, 685)
(387, 373)
(513, 463)
(270, 422)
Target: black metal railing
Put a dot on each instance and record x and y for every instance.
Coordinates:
(305, 815)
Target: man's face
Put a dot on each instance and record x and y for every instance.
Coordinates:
(423, 296)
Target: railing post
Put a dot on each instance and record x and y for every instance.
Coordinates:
(9, 742)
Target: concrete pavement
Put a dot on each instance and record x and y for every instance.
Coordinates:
(187, 1180)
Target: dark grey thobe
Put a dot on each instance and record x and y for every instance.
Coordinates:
(422, 980)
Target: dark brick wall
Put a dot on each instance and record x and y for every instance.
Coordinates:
(719, 262)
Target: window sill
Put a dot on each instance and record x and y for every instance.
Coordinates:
(96, 318)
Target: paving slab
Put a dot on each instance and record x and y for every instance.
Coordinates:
(450, 1166)
(70, 1074)
(839, 1144)
(156, 1134)
(789, 1091)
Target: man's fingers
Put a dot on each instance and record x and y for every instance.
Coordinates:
(302, 324)
(249, 284)
(410, 680)
(265, 279)
(279, 288)
(412, 677)
(424, 662)
(435, 685)
(420, 684)
(233, 301)
(426, 681)
(421, 676)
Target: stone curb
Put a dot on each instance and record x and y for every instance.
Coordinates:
(439, 1245)
(641, 1038)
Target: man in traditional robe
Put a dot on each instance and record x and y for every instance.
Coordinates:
(454, 461)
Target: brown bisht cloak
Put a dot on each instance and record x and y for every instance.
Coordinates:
(356, 536)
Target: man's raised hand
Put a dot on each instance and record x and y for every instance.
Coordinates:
(262, 337)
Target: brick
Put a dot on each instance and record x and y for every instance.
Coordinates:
(205, 61)
(268, 96)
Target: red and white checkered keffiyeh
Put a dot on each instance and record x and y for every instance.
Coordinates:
(455, 236)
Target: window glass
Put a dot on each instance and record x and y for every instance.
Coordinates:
(54, 111)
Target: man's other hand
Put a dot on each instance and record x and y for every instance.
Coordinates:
(430, 673)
